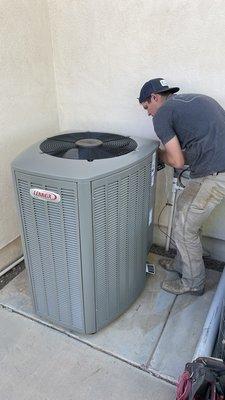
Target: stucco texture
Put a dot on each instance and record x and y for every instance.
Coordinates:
(28, 101)
(104, 52)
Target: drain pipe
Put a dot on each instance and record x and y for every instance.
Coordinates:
(207, 339)
(7, 269)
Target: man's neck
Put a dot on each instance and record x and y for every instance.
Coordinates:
(168, 96)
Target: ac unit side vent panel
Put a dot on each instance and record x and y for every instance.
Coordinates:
(52, 240)
(120, 216)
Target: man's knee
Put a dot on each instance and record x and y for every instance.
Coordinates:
(186, 233)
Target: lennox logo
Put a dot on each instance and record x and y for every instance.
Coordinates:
(45, 195)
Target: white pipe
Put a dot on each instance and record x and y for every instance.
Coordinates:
(3, 272)
(173, 202)
(207, 339)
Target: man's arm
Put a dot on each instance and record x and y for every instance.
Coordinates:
(172, 154)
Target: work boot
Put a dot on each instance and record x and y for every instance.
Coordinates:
(168, 264)
(176, 286)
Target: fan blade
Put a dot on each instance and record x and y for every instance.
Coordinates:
(120, 147)
(114, 137)
(85, 153)
(54, 147)
(116, 143)
(71, 154)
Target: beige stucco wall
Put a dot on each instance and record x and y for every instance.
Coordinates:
(103, 53)
(27, 100)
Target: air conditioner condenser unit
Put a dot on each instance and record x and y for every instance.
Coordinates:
(86, 208)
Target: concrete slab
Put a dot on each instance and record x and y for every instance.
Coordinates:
(39, 363)
(183, 329)
(159, 332)
(132, 337)
(16, 294)
(135, 335)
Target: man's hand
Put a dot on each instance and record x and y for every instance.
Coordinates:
(172, 154)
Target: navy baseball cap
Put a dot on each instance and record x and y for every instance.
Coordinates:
(157, 85)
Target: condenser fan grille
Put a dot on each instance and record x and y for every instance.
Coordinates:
(88, 145)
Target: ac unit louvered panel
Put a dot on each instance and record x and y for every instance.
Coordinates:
(52, 241)
(113, 262)
(101, 267)
(123, 240)
(140, 230)
(120, 213)
(32, 247)
(57, 278)
(73, 257)
(132, 237)
(41, 226)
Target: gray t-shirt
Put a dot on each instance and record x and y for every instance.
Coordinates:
(198, 121)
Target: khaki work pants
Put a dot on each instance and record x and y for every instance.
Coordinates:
(194, 205)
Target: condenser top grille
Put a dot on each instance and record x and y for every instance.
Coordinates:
(88, 145)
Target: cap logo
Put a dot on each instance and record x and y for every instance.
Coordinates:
(163, 82)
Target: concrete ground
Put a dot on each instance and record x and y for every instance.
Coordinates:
(133, 358)
(39, 363)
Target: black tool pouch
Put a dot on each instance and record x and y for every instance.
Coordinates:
(206, 380)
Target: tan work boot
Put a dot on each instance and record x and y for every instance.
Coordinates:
(176, 286)
(168, 264)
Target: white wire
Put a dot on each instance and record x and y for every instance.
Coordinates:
(168, 172)
(3, 272)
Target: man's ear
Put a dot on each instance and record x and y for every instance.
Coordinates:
(158, 97)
